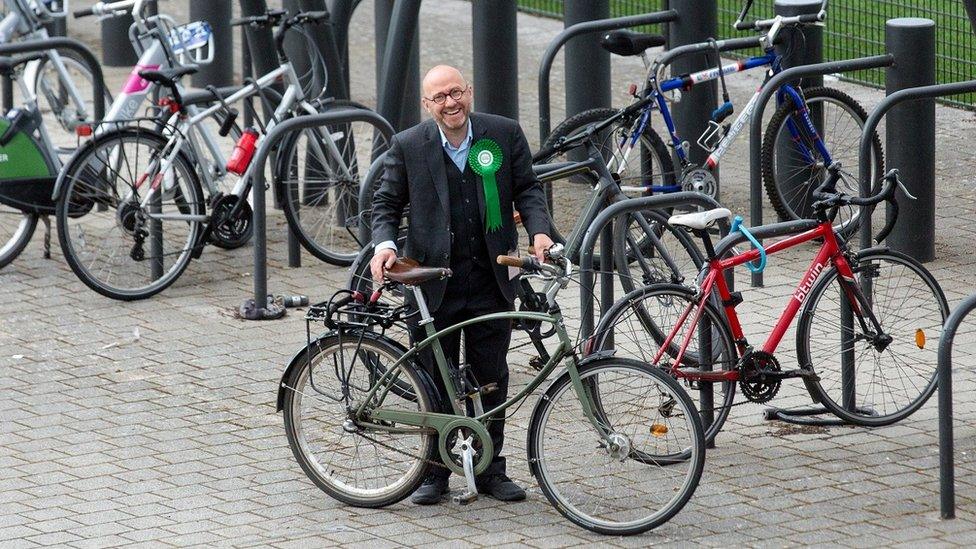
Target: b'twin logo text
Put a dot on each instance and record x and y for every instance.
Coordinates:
(804, 289)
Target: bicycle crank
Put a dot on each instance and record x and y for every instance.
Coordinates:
(470, 493)
(699, 180)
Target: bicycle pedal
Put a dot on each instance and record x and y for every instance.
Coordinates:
(488, 388)
(536, 363)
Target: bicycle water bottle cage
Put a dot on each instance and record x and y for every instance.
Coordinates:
(712, 136)
(737, 226)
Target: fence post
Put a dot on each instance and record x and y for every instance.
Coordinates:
(799, 46)
(587, 64)
(495, 45)
(912, 42)
(397, 67)
(697, 22)
(218, 13)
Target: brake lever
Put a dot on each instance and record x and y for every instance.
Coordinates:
(904, 189)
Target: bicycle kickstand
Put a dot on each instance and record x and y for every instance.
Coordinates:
(470, 493)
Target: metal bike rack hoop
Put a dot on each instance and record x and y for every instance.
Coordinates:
(874, 120)
(947, 488)
(755, 125)
(606, 217)
(253, 309)
(98, 79)
(573, 31)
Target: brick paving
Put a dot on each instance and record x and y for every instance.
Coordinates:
(153, 422)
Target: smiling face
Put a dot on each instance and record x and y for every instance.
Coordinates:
(440, 82)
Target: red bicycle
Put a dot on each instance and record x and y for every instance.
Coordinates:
(877, 311)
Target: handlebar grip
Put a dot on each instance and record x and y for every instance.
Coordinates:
(809, 18)
(743, 26)
(78, 14)
(528, 262)
(890, 223)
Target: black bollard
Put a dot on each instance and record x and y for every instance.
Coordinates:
(116, 49)
(587, 64)
(697, 22)
(799, 46)
(398, 91)
(217, 13)
(340, 12)
(910, 135)
(495, 45)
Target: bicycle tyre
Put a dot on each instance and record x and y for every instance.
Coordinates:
(335, 193)
(640, 260)
(914, 362)
(19, 237)
(659, 155)
(552, 425)
(795, 204)
(298, 387)
(75, 208)
(640, 321)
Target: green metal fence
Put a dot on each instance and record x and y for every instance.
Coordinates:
(855, 28)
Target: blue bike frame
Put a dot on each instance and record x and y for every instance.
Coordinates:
(687, 81)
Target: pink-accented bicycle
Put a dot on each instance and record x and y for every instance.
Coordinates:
(868, 330)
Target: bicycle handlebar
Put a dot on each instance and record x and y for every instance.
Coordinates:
(763, 24)
(112, 9)
(827, 197)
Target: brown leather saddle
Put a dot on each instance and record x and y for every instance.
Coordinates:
(408, 271)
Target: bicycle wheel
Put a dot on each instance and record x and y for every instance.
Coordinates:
(365, 466)
(318, 173)
(616, 489)
(16, 229)
(892, 380)
(116, 246)
(637, 325)
(54, 100)
(647, 250)
(792, 172)
(648, 164)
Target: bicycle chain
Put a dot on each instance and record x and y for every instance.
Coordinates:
(399, 451)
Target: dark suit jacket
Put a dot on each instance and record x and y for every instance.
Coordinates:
(414, 173)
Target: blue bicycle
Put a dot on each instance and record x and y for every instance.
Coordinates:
(807, 125)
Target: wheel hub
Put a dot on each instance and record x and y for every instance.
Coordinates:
(618, 446)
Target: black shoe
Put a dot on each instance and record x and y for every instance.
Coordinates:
(431, 491)
(500, 487)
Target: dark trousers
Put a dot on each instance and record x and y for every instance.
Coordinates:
(485, 351)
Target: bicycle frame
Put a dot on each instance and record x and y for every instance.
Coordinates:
(443, 421)
(830, 253)
(656, 94)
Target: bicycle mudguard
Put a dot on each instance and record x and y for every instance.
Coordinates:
(27, 174)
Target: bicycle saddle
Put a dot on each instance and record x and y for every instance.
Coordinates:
(168, 77)
(408, 271)
(627, 43)
(700, 220)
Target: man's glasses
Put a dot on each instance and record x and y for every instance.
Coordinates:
(455, 94)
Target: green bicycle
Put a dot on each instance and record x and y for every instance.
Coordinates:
(616, 446)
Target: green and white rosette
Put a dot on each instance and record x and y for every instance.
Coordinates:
(485, 157)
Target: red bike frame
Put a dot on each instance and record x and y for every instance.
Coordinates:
(830, 252)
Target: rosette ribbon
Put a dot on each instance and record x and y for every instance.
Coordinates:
(485, 158)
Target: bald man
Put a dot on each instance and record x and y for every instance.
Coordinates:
(454, 223)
